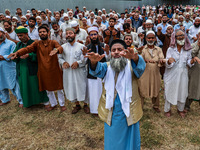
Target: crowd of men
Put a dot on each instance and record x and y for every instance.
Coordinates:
(109, 61)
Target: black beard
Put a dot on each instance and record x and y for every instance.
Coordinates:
(94, 41)
(164, 21)
(44, 38)
(196, 25)
(77, 31)
(128, 45)
(9, 30)
(70, 39)
(31, 26)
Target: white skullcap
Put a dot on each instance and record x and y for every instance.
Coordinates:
(93, 29)
(15, 18)
(103, 9)
(80, 14)
(39, 10)
(169, 26)
(150, 32)
(175, 20)
(148, 21)
(103, 15)
(84, 7)
(65, 15)
(187, 14)
(70, 11)
(197, 18)
(8, 17)
(38, 17)
(28, 11)
(92, 12)
(180, 16)
(115, 15)
(74, 24)
(99, 11)
(50, 11)
(177, 9)
(7, 10)
(1, 29)
(110, 14)
(28, 14)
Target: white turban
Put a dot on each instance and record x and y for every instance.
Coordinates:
(65, 15)
(15, 18)
(197, 18)
(8, 17)
(169, 26)
(93, 29)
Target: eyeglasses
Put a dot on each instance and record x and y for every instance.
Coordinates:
(93, 34)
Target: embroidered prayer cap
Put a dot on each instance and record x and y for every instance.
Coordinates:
(93, 29)
(118, 41)
(21, 29)
(70, 29)
(149, 32)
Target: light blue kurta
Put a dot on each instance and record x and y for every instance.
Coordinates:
(7, 67)
(120, 136)
(8, 73)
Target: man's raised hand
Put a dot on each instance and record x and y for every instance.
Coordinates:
(85, 51)
(94, 57)
(130, 54)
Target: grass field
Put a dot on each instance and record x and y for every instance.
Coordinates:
(35, 129)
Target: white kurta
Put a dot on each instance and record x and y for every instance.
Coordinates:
(74, 80)
(176, 76)
(193, 31)
(82, 35)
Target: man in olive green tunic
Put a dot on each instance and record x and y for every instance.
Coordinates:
(27, 67)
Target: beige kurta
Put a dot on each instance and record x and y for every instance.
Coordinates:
(150, 81)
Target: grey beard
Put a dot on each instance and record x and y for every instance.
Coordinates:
(149, 30)
(118, 64)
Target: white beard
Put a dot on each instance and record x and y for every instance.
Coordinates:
(148, 43)
(118, 64)
(181, 42)
(148, 30)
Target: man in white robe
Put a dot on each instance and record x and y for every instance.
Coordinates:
(81, 34)
(94, 83)
(193, 30)
(74, 71)
(176, 72)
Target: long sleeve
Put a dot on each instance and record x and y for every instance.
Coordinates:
(29, 49)
(139, 68)
(161, 37)
(33, 57)
(100, 70)
(189, 58)
(169, 55)
(135, 39)
(82, 61)
(12, 48)
(61, 60)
